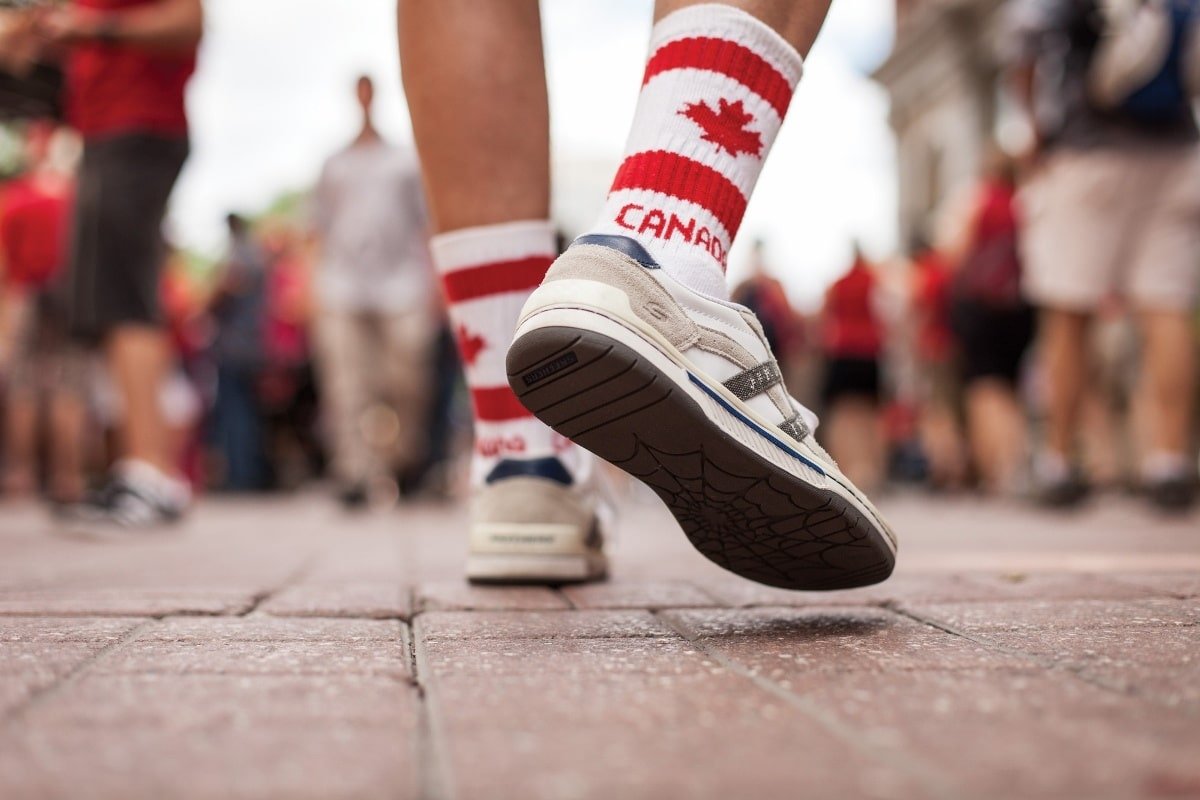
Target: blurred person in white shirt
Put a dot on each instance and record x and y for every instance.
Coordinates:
(374, 295)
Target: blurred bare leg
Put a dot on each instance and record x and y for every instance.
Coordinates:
(1064, 363)
(856, 441)
(137, 357)
(998, 434)
(475, 80)
(1168, 379)
(1101, 436)
(943, 445)
(68, 418)
(20, 435)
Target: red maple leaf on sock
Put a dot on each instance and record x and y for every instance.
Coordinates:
(469, 344)
(726, 127)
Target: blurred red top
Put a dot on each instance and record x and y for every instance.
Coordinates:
(287, 297)
(851, 328)
(931, 303)
(119, 88)
(998, 214)
(33, 231)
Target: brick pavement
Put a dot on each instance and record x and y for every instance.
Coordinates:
(279, 649)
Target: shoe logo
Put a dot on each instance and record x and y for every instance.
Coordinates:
(546, 370)
(656, 310)
(726, 126)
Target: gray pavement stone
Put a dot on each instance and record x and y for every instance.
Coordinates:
(154, 736)
(772, 641)
(1012, 734)
(633, 718)
(1145, 645)
(639, 594)
(264, 645)
(588, 624)
(368, 600)
(1041, 614)
(929, 587)
(129, 602)
(1178, 584)
(270, 629)
(1082, 684)
(1060, 586)
(37, 653)
(1174, 686)
(458, 595)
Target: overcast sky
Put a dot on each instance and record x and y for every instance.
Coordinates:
(273, 96)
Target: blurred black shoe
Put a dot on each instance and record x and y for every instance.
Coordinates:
(1063, 493)
(1173, 495)
(137, 497)
(354, 497)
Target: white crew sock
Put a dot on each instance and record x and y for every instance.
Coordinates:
(487, 274)
(716, 88)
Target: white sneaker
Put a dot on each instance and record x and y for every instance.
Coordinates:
(533, 521)
(681, 391)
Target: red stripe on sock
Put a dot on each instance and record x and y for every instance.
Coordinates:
(728, 58)
(497, 404)
(498, 277)
(686, 179)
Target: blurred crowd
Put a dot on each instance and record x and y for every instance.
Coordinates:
(1037, 340)
(314, 347)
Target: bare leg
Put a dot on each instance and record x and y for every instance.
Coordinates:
(68, 433)
(943, 446)
(20, 476)
(474, 75)
(797, 22)
(1169, 379)
(856, 441)
(137, 358)
(998, 434)
(476, 85)
(1064, 360)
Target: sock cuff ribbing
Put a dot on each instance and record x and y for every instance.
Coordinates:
(487, 244)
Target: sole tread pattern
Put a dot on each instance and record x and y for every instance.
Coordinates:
(739, 510)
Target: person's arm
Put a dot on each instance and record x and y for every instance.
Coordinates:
(165, 25)
(1029, 25)
(1021, 83)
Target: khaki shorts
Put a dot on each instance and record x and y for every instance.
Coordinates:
(1123, 222)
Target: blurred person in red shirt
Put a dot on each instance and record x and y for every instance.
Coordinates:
(994, 325)
(852, 335)
(935, 353)
(762, 293)
(128, 63)
(41, 369)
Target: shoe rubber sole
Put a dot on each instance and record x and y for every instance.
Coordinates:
(611, 390)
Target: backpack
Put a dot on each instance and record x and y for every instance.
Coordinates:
(1146, 61)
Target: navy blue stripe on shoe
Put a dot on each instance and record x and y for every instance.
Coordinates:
(550, 469)
(754, 426)
(622, 244)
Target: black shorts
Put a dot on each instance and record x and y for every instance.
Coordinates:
(851, 377)
(993, 340)
(117, 249)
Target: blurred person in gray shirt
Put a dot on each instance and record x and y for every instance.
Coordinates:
(1112, 211)
(374, 293)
